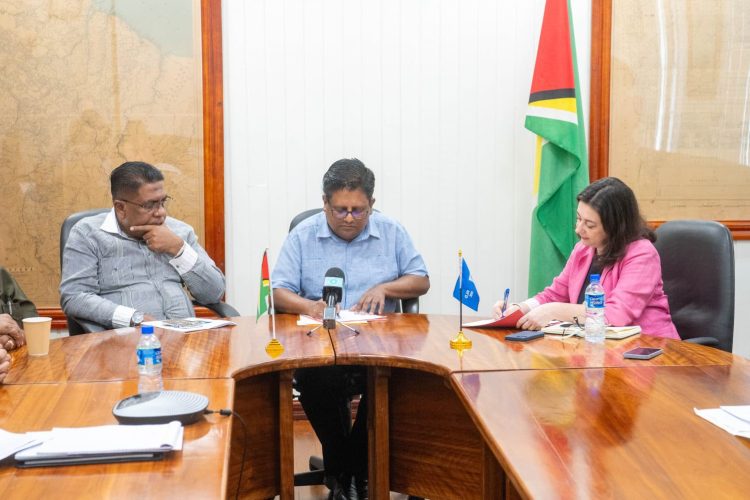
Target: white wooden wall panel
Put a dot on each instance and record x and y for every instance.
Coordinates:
(430, 94)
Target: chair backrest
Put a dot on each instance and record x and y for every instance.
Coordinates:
(410, 305)
(70, 221)
(74, 327)
(697, 262)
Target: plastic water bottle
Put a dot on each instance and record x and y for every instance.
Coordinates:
(149, 361)
(594, 326)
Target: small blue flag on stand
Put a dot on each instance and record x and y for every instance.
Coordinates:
(471, 295)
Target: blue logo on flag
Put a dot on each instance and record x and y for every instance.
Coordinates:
(471, 295)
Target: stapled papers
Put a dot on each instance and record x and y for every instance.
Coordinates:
(102, 444)
(187, 325)
(733, 419)
(343, 316)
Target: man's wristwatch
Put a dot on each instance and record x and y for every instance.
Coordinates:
(136, 319)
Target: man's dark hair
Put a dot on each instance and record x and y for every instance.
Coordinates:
(621, 219)
(130, 176)
(349, 174)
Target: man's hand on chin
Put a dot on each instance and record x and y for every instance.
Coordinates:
(159, 239)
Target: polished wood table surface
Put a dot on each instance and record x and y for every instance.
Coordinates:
(198, 471)
(234, 351)
(423, 342)
(614, 432)
(428, 437)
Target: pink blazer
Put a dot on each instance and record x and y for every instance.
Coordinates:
(633, 288)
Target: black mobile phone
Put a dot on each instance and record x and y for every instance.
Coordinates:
(642, 353)
(524, 336)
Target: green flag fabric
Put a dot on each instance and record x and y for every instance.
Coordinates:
(556, 116)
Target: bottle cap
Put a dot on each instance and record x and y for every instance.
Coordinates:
(147, 329)
(595, 278)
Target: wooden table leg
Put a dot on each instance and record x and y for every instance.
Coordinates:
(286, 436)
(377, 426)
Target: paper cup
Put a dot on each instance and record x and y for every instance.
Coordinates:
(37, 332)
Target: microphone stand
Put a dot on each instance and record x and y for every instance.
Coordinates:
(356, 332)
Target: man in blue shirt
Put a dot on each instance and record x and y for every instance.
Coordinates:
(381, 266)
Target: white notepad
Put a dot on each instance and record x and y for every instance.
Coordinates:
(612, 332)
(106, 443)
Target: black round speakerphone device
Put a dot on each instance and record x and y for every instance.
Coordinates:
(160, 408)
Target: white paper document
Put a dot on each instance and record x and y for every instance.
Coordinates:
(11, 443)
(187, 325)
(344, 316)
(611, 332)
(733, 419)
(106, 443)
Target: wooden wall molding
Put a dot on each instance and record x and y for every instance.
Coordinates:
(599, 118)
(213, 130)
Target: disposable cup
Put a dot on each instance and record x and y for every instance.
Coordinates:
(37, 332)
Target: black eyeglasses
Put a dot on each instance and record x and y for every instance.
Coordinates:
(341, 213)
(152, 206)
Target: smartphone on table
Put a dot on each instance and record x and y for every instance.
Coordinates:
(642, 353)
(524, 336)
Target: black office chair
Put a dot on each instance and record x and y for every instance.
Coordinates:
(77, 326)
(697, 262)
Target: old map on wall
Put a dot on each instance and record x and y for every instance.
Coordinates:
(85, 86)
(680, 106)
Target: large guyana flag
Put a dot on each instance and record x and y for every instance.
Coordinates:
(555, 115)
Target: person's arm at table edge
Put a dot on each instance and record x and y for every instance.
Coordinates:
(287, 301)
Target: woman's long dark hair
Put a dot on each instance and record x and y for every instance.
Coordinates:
(621, 219)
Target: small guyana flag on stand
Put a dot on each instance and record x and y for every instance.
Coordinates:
(265, 287)
(561, 167)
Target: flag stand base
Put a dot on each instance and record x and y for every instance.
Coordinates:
(460, 341)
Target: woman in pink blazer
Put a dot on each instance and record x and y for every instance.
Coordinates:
(616, 243)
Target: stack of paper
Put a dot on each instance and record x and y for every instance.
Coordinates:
(106, 443)
(733, 419)
(11, 443)
(190, 324)
(343, 316)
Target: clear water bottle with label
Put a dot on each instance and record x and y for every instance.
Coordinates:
(594, 299)
(149, 361)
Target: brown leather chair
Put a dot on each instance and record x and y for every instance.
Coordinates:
(697, 262)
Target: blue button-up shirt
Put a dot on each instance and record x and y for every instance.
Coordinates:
(381, 253)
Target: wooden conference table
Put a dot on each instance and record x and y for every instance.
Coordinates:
(550, 418)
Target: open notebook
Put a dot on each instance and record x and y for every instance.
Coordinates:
(612, 332)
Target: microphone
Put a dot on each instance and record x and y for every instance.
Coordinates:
(333, 290)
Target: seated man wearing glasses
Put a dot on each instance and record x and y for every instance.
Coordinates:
(380, 265)
(130, 264)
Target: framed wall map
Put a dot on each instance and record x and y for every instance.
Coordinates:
(88, 85)
(671, 106)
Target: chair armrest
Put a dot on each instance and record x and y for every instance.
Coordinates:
(410, 305)
(223, 309)
(77, 326)
(709, 341)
